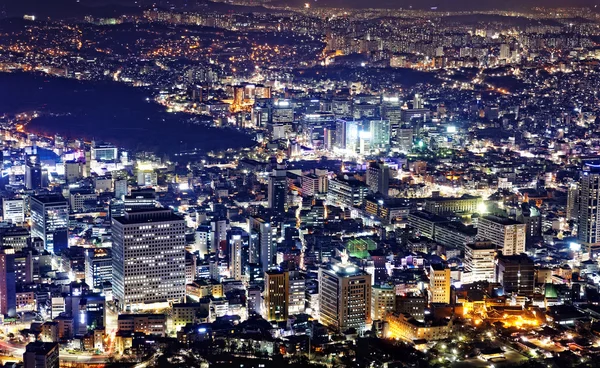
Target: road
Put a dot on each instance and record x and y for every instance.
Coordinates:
(17, 350)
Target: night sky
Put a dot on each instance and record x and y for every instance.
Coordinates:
(55, 7)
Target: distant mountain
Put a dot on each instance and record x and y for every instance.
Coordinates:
(67, 8)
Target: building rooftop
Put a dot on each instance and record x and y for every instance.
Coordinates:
(147, 215)
(501, 220)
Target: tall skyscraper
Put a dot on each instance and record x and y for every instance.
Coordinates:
(33, 174)
(344, 296)
(383, 301)
(50, 221)
(262, 245)
(276, 295)
(589, 195)
(238, 252)
(378, 178)
(505, 233)
(439, 284)
(8, 293)
(381, 135)
(148, 256)
(277, 190)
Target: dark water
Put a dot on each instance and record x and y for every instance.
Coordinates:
(109, 112)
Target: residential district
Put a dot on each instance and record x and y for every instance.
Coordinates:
(422, 189)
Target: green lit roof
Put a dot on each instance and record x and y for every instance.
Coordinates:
(360, 247)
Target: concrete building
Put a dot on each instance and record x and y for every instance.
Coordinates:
(148, 256)
(507, 234)
(41, 355)
(439, 284)
(383, 301)
(516, 274)
(13, 211)
(479, 262)
(50, 221)
(344, 297)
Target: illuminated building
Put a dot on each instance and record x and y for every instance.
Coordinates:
(8, 293)
(50, 221)
(504, 233)
(589, 195)
(276, 295)
(439, 284)
(516, 274)
(13, 210)
(148, 257)
(277, 190)
(479, 262)
(262, 245)
(463, 205)
(73, 171)
(378, 177)
(238, 252)
(98, 267)
(381, 134)
(345, 191)
(104, 152)
(149, 324)
(344, 297)
(33, 174)
(404, 326)
(383, 301)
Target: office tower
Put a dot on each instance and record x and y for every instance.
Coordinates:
(148, 255)
(589, 195)
(345, 191)
(14, 237)
(277, 190)
(238, 252)
(504, 52)
(50, 221)
(33, 174)
(378, 177)
(516, 274)
(262, 244)
(8, 292)
(573, 202)
(98, 267)
(479, 262)
(73, 171)
(383, 301)
(505, 233)
(418, 102)
(104, 152)
(439, 284)
(140, 199)
(344, 297)
(13, 210)
(81, 200)
(381, 135)
(121, 188)
(219, 228)
(404, 138)
(313, 184)
(41, 355)
(276, 295)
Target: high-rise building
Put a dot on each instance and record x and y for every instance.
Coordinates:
(262, 244)
(344, 297)
(573, 202)
(13, 210)
(516, 274)
(219, 228)
(381, 135)
(8, 293)
(383, 301)
(505, 233)
(33, 174)
(41, 355)
(74, 171)
(296, 293)
(148, 256)
(479, 262)
(50, 221)
(345, 191)
(238, 252)
(404, 138)
(276, 295)
(378, 178)
(98, 267)
(589, 194)
(439, 284)
(277, 190)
